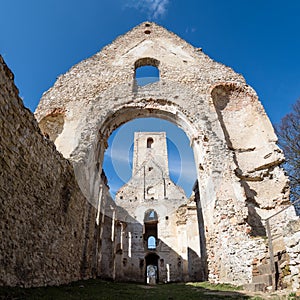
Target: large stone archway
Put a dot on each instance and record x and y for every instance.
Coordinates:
(237, 160)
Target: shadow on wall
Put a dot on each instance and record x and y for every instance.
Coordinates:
(222, 96)
(201, 228)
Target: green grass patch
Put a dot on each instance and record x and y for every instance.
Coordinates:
(216, 287)
(106, 290)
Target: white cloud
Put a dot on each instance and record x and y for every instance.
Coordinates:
(154, 9)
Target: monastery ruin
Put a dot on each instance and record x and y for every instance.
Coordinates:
(58, 222)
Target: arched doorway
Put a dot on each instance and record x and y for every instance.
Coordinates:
(152, 272)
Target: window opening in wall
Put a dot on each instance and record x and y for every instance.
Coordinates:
(146, 70)
(150, 229)
(150, 190)
(152, 271)
(151, 215)
(151, 242)
(146, 74)
(149, 142)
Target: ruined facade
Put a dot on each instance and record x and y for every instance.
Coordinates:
(56, 214)
(157, 224)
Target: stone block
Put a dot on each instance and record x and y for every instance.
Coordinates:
(265, 279)
(264, 269)
(255, 287)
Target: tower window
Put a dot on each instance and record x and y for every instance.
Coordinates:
(150, 190)
(149, 142)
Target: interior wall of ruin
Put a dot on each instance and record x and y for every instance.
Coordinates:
(47, 227)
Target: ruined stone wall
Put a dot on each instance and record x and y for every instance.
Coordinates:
(236, 156)
(46, 224)
(291, 269)
(175, 225)
(106, 241)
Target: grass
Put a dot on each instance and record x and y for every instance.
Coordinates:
(100, 290)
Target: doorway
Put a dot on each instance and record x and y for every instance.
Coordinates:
(152, 272)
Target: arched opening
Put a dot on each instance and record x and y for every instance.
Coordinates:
(149, 142)
(118, 158)
(152, 271)
(146, 71)
(150, 216)
(151, 243)
(150, 236)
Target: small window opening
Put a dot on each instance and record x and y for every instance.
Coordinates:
(151, 242)
(146, 71)
(150, 190)
(149, 142)
(147, 31)
(151, 215)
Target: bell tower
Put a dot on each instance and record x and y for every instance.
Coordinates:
(150, 146)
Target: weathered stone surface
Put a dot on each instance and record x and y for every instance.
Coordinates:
(46, 224)
(233, 140)
(292, 242)
(176, 254)
(240, 182)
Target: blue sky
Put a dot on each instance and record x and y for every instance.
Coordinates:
(118, 160)
(40, 40)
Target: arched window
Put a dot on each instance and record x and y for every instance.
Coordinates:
(151, 242)
(149, 142)
(146, 71)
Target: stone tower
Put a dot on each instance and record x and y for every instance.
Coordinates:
(157, 224)
(150, 146)
(150, 167)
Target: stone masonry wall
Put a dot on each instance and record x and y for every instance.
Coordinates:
(236, 156)
(43, 214)
(292, 242)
